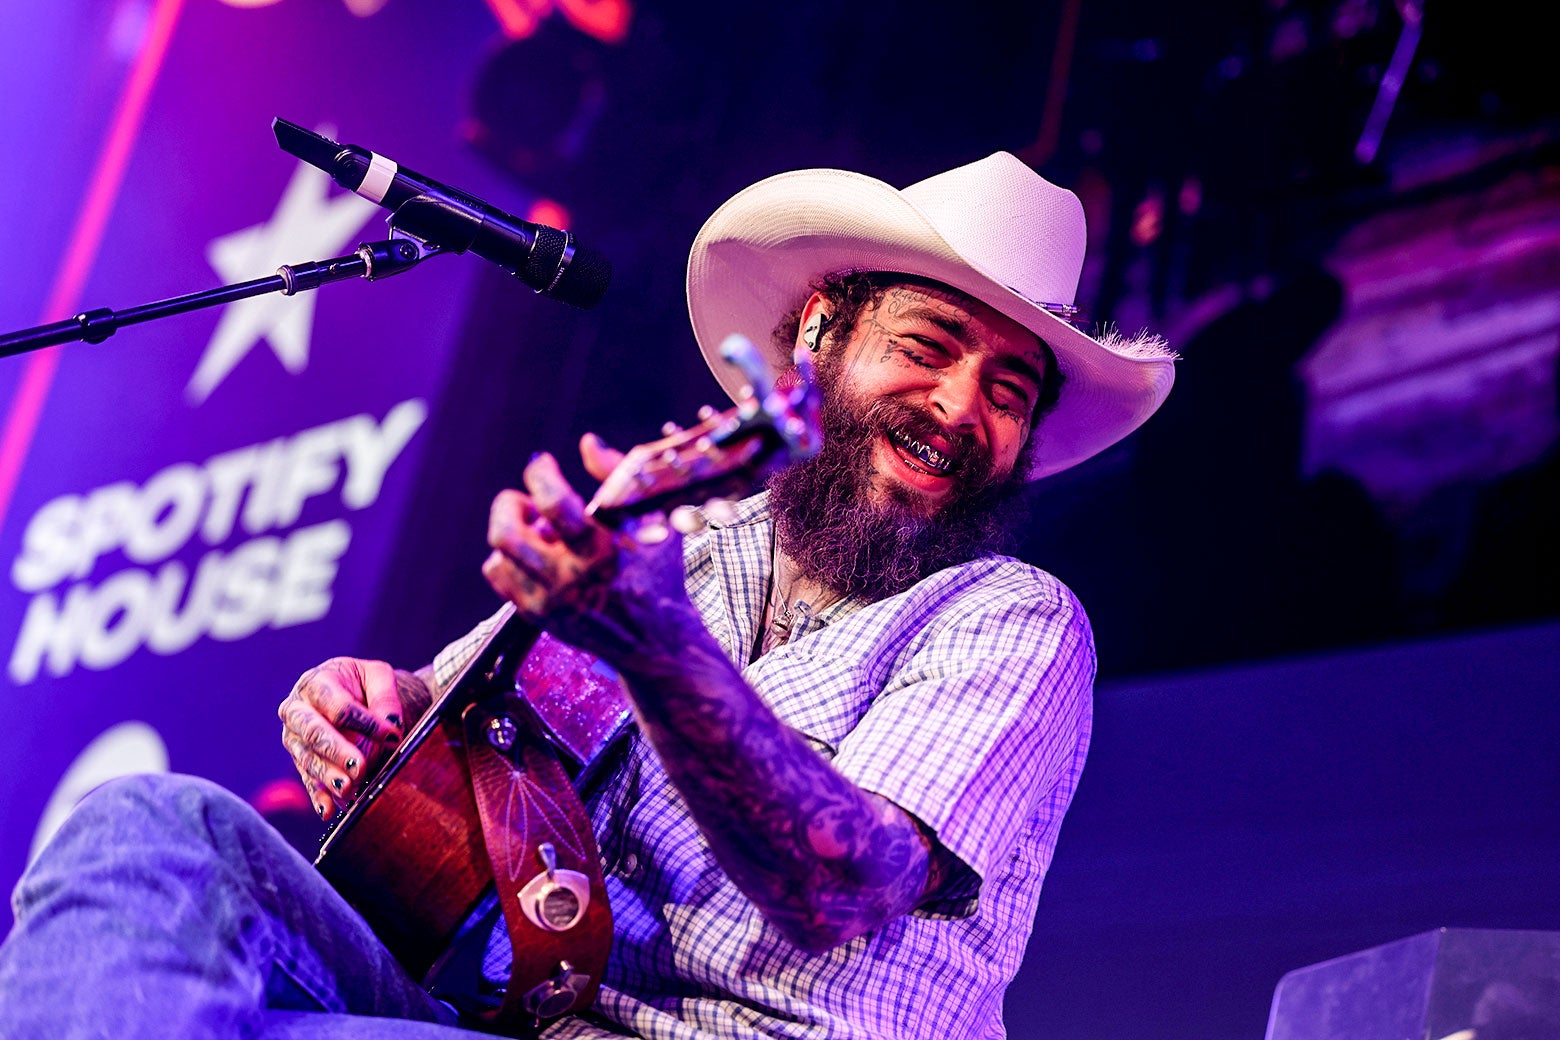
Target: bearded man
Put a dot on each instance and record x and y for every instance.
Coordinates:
(858, 727)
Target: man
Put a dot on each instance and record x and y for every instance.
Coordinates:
(858, 728)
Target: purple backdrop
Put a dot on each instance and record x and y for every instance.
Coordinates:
(206, 505)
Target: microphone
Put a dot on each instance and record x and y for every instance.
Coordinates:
(544, 258)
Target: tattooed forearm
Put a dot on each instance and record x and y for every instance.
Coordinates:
(824, 860)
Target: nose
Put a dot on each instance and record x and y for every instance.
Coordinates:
(956, 399)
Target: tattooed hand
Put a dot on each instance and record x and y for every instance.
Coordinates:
(615, 595)
(341, 718)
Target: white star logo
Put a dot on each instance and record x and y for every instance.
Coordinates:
(306, 226)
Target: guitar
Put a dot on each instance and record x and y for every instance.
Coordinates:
(484, 790)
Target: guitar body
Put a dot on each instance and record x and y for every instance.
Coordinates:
(410, 854)
(412, 861)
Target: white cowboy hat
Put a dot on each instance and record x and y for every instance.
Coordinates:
(994, 229)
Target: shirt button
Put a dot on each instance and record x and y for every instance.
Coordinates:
(630, 865)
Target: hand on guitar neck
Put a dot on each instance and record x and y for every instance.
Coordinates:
(612, 593)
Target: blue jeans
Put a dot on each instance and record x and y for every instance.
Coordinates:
(166, 908)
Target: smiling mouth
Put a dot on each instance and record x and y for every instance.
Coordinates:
(932, 461)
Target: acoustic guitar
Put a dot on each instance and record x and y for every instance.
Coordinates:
(482, 797)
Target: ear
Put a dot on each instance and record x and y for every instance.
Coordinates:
(816, 314)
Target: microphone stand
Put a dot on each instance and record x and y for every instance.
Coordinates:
(372, 260)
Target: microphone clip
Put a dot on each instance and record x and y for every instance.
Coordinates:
(403, 252)
(374, 261)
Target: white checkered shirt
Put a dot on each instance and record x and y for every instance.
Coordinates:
(965, 700)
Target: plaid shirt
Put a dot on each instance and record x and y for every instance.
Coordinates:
(966, 701)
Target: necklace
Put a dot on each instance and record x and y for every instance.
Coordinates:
(792, 599)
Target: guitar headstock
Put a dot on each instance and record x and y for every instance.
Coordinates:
(725, 453)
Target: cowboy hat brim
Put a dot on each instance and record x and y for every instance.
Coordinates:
(755, 258)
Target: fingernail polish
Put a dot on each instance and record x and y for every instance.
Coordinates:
(351, 765)
(392, 740)
(319, 809)
(338, 783)
(393, 718)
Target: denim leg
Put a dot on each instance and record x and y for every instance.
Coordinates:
(166, 907)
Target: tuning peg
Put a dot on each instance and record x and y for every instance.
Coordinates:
(707, 413)
(670, 428)
(738, 350)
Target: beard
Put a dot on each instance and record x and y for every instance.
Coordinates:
(827, 523)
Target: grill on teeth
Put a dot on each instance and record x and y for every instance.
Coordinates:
(934, 459)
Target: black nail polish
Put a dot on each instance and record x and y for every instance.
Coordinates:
(320, 809)
(393, 718)
(338, 783)
(351, 765)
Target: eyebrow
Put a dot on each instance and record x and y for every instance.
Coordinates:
(960, 331)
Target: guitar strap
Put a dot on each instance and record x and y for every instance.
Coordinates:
(546, 868)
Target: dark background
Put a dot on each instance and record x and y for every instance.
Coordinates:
(1216, 157)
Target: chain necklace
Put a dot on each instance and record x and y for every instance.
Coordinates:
(792, 599)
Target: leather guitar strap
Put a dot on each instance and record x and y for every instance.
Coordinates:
(526, 801)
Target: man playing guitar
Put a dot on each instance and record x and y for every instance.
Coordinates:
(858, 727)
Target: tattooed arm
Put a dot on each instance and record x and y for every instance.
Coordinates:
(822, 859)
